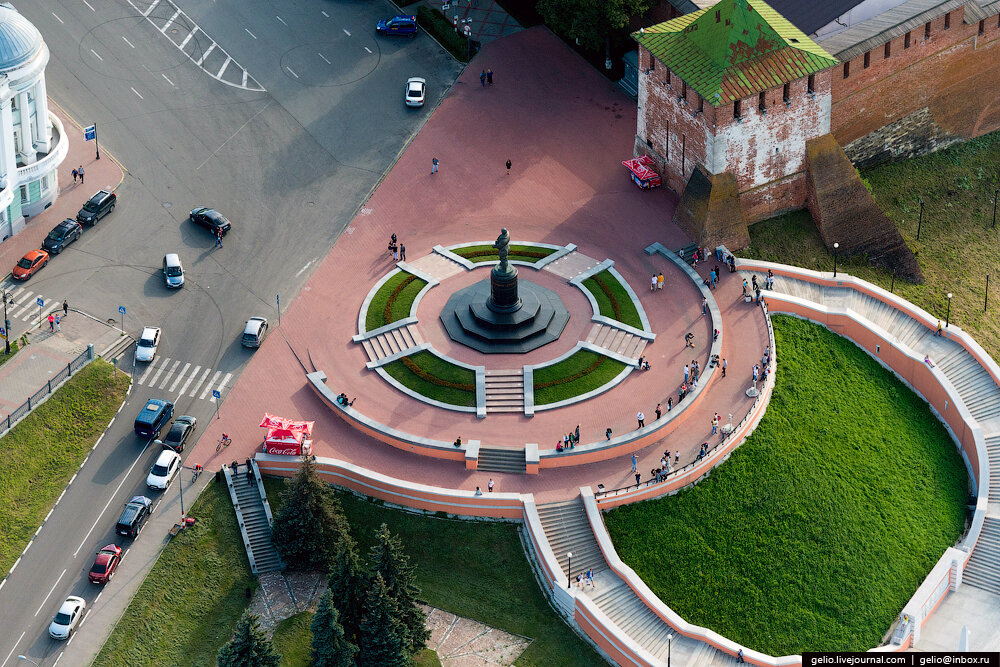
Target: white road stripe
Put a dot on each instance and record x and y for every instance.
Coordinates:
(180, 376)
(57, 17)
(304, 267)
(46, 598)
(280, 19)
(193, 375)
(224, 66)
(368, 50)
(128, 42)
(113, 494)
(198, 384)
(151, 8)
(170, 373)
(168, 80)
(345, 32)
(222, 386)
(13, 648)
(97, 56)
(89, 5)
(208, 387)
(24, 294)
(145, 373)
(61, 654)
(166, 26)
(250, 33)
(205, 55)
(324, 58)
(245, 76)
(137, 93)
(325, 14)
(158, 371)
(188, 38)
(291, 72)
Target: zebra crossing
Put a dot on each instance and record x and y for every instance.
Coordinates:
(177, 378)
(22, 303)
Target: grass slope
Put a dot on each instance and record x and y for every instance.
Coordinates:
(293, 639)
(958, 245)
(435, 378)
(40, 454)
(820, 527)
(187, 607)
(577, 374)
(398, 303)
(613, 300)
(487, 253)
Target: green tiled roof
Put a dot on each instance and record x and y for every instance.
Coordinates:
(733, 50)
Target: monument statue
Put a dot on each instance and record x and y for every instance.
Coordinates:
(501, 245)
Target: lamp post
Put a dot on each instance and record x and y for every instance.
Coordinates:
(995, 194)
(835, 246)
(921, 220)
(670, 639)
(569, 569)
(7, 298)
(24, 657)
(947, 318)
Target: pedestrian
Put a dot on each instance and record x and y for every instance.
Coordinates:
(744, 287)
(670, 403)
(704, 305)
(434, 165)
(715, 335)
(490, 485)
(689, 340)
(392, 239)
(52, 322)
(659, 281)
(578, 433)
(57, 323)
(757, 292)
(402, 252)
(635, 461)
(607, 434)
(677, 456)
(753, 280)
(641, 418)
(395, 252)
(739, 657)
(652, 283)
(715, 423)
(637, 478)
(940, 330)
(508, 167)
(659, 413)
(489, 76)
(235, 466)
(218, 238)
(756, 371)
(724, 364)
(74, 175)
(65, 307)
(479, 491)
(482, 78)
(79, 170)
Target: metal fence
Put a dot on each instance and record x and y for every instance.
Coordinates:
(53, 383)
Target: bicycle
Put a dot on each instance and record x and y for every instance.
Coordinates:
(196, 473)
(224, 441)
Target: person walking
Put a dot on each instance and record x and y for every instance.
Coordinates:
(218, 238)
(482, 78)
(689, 340)
(490, 485)
(577, 432)
(79, 170)
(402, 252)
(659, 413)
(652, 283)
(704, 306)
(715, 423)
(434, 165)
(635, 462)
(52, 322)
(940, 330)
(57, 324)
(659, 281)
(677, 456)
(489, 76)
(508, 167)
(641, 418)
(687, 370)
(75, 172)
(65, 307)
(607, 434)
(724, 365)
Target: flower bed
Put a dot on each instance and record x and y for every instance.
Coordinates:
(577, 374)
(393, 300)
(613, 300)
(435, 378)
(520, 253)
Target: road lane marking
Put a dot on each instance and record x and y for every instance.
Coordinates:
(58, 659)
(151, 8)
(57, 17)
(345, 32)
(304, 267)
(198, 384)
(128, 42)
(208, 387)
(113, 494)
(222, 386)
(169, 374)
(188, 38)
(291, 72)
(368, 50)
(15, 564)
(166, 26)
(325, 14)
(250, 33)
(168, 80)
(97, 56)
(86, 614)
(137, 93)
(158, 371)
(324, 58)
(46, 598)
(149, 369)
(223, 68)
(89, 5)
(194, 374)
(282, 20)
(246, 75)
(12, 649)
(205, 55)
(180, 376)
(240, 128)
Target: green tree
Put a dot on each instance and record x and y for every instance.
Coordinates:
(383, 637)
(390, 563)
(347, 586)
(329, 646)
(590, 22)
(310, 523)
(249, 646)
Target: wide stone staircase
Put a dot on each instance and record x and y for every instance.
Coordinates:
(252, 518)
(391, 342)
(497, 459)
(505, 391)
(616, 340)
(983, 568)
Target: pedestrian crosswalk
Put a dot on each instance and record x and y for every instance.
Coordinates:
(22, 303)
(178, 378)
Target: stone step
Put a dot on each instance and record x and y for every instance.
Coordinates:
(370, 350)
(494, 408)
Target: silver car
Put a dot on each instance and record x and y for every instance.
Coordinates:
(254, 332)
(67, 618)
(416, 88)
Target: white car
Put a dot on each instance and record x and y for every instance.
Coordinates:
(68, 617)
(145, 349)
(415, 90)
(167, 465)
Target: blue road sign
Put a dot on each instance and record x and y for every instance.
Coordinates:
(121, 309)
(216, 394)
(3, 332)
(40, 302)
(90, 133)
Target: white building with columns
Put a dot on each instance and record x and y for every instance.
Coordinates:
(32, 141)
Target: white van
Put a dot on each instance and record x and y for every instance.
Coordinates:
(173, 272)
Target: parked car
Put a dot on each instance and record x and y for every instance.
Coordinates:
(98, 206)
(398, 25)
(62, 235)
(167, 465)
(416, 87)
(67, 618)
(210, 219)
(105, 564)
(179, 433)
(145, 347)
(173, 272)
(254, 332)
(30, 264)
(134, 516)
(153, 416)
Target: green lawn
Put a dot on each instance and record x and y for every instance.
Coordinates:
(14, 347)
(293, 638)
(577, 374)
(613, 300)
(475, 569)
(958, 244)
(435, 378)
(41, 453)
(187, 607)
(392, 301)
(487, 253)
(822, 524)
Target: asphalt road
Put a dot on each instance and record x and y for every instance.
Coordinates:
(283, 118)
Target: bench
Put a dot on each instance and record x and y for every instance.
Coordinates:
(687, 252)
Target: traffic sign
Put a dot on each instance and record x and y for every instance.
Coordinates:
(121, 309)
(90, 133)
(40, 301)
(216, 394)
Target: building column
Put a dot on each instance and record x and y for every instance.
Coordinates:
(41, 130)
(8, 158)
(27, 136)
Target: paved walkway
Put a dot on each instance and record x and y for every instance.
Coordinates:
(487, 19)
(566, 129)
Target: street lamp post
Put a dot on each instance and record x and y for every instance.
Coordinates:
(670, 639)
(7, 298)
(569, 569)
(835, 246)
(947, 318)
(995, 194)
(921, 220)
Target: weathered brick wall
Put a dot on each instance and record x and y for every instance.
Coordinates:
(914, 134)
(771, 199)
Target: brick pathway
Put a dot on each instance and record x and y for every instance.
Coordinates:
(566, 130)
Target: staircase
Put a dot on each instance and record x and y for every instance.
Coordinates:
(976, 387)
(391, 342)
(568, 530)
(983, 568)
(252, 517)
(501, 460)
(571, 265)
(616, 340)
(437, 266)
(505, 391)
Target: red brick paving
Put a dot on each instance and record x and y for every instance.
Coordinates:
(566, 129)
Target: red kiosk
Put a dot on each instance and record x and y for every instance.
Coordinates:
(287, 436)
(642, 172)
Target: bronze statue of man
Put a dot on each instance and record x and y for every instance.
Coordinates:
(501, 245)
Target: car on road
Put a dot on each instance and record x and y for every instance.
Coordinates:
(254, 332)
(98, 206)
(67, 618)
(62, 235)
(178, 434)
(398, 25)
(134, 516)
(30, 264)
(145, 347)
(416, 88)
(167, 465)
(173, 272)
(210, 219)
(153, 417)
(105, 564)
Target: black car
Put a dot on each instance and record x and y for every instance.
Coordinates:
(179, 433)
(97, 207)
(61, 236)
(134, 516)
(210, 219)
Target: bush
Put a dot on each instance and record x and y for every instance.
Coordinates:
(577, 374)
(435, 378)
(442, 29)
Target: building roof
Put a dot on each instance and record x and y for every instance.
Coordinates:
(811, 16)
(734, 50)
(19, 39)
(892, 23)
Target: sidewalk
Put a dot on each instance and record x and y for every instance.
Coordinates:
(488, 19)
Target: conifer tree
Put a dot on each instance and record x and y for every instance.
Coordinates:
(249, 646)
(383, 641)
(390, 562)
(310, 523)
(347, 586)
(329, 646)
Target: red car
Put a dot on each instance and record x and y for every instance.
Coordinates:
(30, 264)
(105, 564)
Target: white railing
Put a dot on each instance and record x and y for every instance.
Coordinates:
(36, 170)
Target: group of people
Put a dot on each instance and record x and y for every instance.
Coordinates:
(763, 369)
(660, 474)
(236, 466)
(656, 282)
(342, 400)
(585, 579)
(570, 440)
(642, 364)
(397, 250)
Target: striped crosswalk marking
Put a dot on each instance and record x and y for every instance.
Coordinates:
(145, 373)
(222, 385)
(166, 379)
(152, 383)
(191, 377)
(208, 387)
(180, 376)
(198, 383)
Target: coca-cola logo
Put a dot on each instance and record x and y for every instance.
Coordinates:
(284, 450)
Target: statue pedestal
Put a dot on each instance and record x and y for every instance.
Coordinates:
(503, 291)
